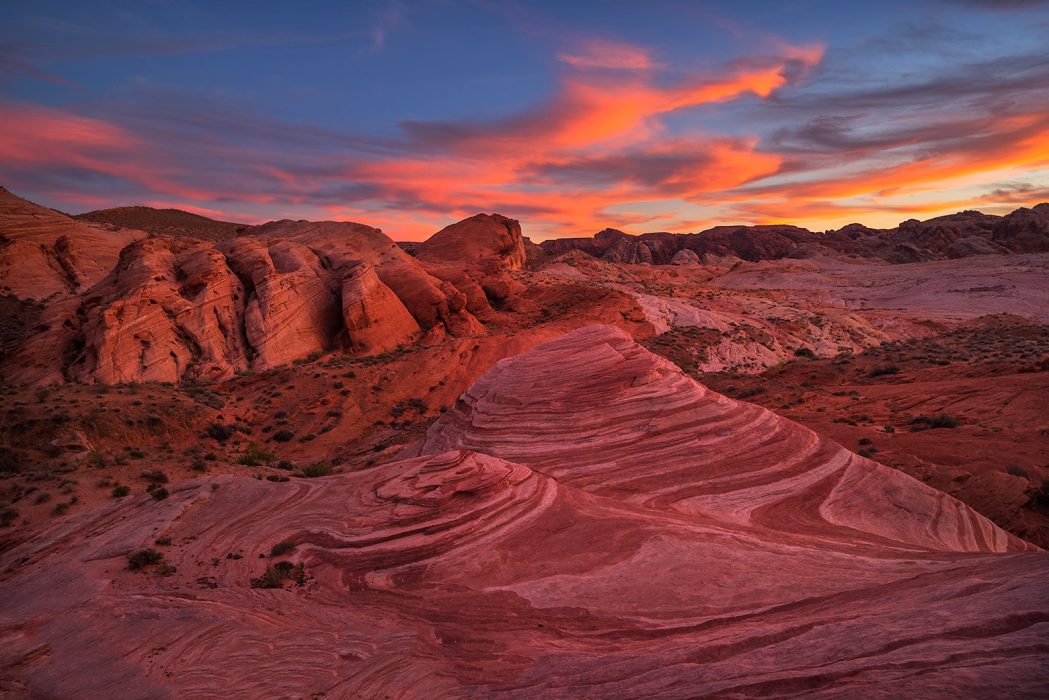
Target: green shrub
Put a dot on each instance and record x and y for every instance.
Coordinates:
(806, 353)
(255, 456)
(120, 491)
(882, 370)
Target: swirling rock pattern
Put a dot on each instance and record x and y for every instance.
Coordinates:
(603, 527)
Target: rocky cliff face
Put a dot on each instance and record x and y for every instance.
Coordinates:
(585, 521)
(162, 308)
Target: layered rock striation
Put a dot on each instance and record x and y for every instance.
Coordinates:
(586, 521)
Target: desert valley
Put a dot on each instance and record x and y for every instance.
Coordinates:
(750, 461)
(441, 349)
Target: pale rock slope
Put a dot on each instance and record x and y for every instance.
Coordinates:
(44, 253)
(585, 522)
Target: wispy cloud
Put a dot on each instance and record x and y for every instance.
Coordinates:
(610, 55)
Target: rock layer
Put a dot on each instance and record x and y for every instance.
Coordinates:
(44, 253)
(169, 308)
(628, 533)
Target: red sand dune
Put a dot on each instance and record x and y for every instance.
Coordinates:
(585, 522)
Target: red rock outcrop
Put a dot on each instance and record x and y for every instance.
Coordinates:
(170, 308)
(174, 308)
(374, 317)
(648, 538)
(44, 253)
(475, 256)
(481, 238)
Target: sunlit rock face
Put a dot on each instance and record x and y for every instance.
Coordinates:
(585, 521)
(481, 238)
(124, 306)
(475, 256)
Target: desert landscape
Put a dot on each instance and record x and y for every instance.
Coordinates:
(815, 471)
(410, 349)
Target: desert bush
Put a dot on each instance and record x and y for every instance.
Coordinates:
(119, 491)
(275, 575)
(271, 578)
(315, 470)
(141, 558)
(283, 436)
(942, 420)
(806, 353)
(255, 456)
(282, 547)
(220, 431)
(882, 370)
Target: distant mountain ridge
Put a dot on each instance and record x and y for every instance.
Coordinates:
(966, 233)
(170, 222)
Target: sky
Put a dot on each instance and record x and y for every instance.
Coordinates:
(673, 115)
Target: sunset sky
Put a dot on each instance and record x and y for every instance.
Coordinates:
(570, 116)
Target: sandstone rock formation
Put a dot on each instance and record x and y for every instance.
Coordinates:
(586, 521)
(474, 255)
(44, 253)
(685, 257)
(483, 237)
(374, 317)
(170, 307)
